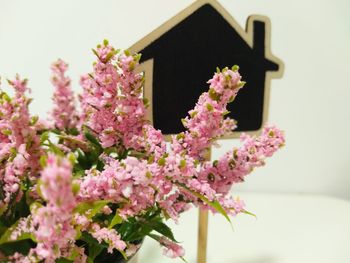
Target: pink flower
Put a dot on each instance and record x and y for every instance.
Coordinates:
(19, 85)
(110, 236)
(171, 249)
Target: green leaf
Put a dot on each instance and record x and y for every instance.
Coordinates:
(126, 229)
(155, 237)
(90, 209)
(6, 237)
(55, 149)
(123, 254)
(43, 161)
(95, 52)
(73, 131)
(82, 160)
(22, 246)
(110, 150)
(249, 213)
(3, 209)
(22, 207)
(88, 238)
(44, 137)
(63, 260)
(33, 120)
(214, 204)
(117, 219)
(93, 140)
(94, 250)
(73, 140)
(136, 231)
(3, 228)
(74, 253)
(133, 231)
(163, 229)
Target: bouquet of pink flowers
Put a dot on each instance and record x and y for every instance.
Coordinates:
(94, 182)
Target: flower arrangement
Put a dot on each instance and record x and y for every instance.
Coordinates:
(98, 180)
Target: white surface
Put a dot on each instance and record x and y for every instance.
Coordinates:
(310, 102)
(288, 229)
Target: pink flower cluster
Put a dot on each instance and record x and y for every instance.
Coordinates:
(19, 144)
(63, 113)
(206, 121)
(124, 182)
(110, 236)
(53, 222)
(111, 97)
(137, 185)
(236, 164)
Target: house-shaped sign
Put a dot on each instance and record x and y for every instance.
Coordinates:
(181, 55)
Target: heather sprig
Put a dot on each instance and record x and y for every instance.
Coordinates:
(63, 114)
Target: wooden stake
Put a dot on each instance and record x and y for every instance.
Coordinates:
(202, 236)
(203, 228)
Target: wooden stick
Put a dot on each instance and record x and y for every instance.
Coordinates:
(202, 236)
(203, 228)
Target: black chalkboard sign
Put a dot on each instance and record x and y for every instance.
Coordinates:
(181, 55)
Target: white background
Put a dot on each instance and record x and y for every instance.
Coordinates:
(310, 103)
